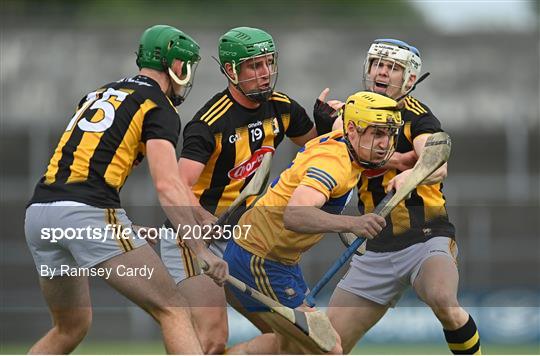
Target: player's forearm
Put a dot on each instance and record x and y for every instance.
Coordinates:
(202, 215)
(312, 220)
(401, 161)
(196, 245)
(438, 176)
(176, 202)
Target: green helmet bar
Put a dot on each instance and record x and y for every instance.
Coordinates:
(240, 44)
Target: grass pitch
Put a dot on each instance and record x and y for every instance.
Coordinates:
(156, 348)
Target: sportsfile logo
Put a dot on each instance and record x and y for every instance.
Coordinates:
(249, 166)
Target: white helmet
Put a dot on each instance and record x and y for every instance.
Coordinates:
(397, 51)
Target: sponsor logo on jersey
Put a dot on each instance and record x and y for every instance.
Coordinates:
(234, 137)
(255, 124)
(249, 166)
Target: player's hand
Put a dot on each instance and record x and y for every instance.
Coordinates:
(397, 181)
(368, 225)
(207, 222)
(325, 113)
(214, 267)
(334, 104)
(203, 217)
(402, 161)
(142, 231)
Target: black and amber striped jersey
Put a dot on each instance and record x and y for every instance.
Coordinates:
(105, 139)
(424, 215)
(231, 141)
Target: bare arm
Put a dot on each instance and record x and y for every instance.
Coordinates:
(437, 176)
(176, 199)
(303, 214)
(173, 194)
(301, 140)
(190, 171)
(440, 174)
(402, 161)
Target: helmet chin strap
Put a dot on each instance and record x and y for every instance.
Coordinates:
(177, 98)
(179, 81)
(259, 97)
(224, 71)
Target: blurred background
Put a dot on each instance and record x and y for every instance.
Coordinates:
(484, 87)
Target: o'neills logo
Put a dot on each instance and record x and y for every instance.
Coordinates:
(248, 167)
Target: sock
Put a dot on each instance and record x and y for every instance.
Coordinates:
(465, 340)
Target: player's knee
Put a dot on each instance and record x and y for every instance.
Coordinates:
(163, 312)
(213, 345)
(175, 306)
(441, 300)
(214, 336)
(76, 325)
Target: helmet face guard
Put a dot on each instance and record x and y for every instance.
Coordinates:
(379, 156)
(159, 47)
(377, 116)
(396, 52)
(258, 94)
(248, 48)
(183, 86)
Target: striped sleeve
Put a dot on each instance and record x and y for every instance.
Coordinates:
(320, 180)
(199, 143)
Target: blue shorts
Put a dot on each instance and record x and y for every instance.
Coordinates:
(281, 282)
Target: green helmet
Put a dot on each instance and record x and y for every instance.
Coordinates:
(243, 43)
(160, 45)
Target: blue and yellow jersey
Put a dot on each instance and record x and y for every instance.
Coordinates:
(323, 164)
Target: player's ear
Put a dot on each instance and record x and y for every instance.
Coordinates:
(351, 129)
(412, 80)
(230, 71)
(177, 68)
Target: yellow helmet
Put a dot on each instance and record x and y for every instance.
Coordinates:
(366, 109)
